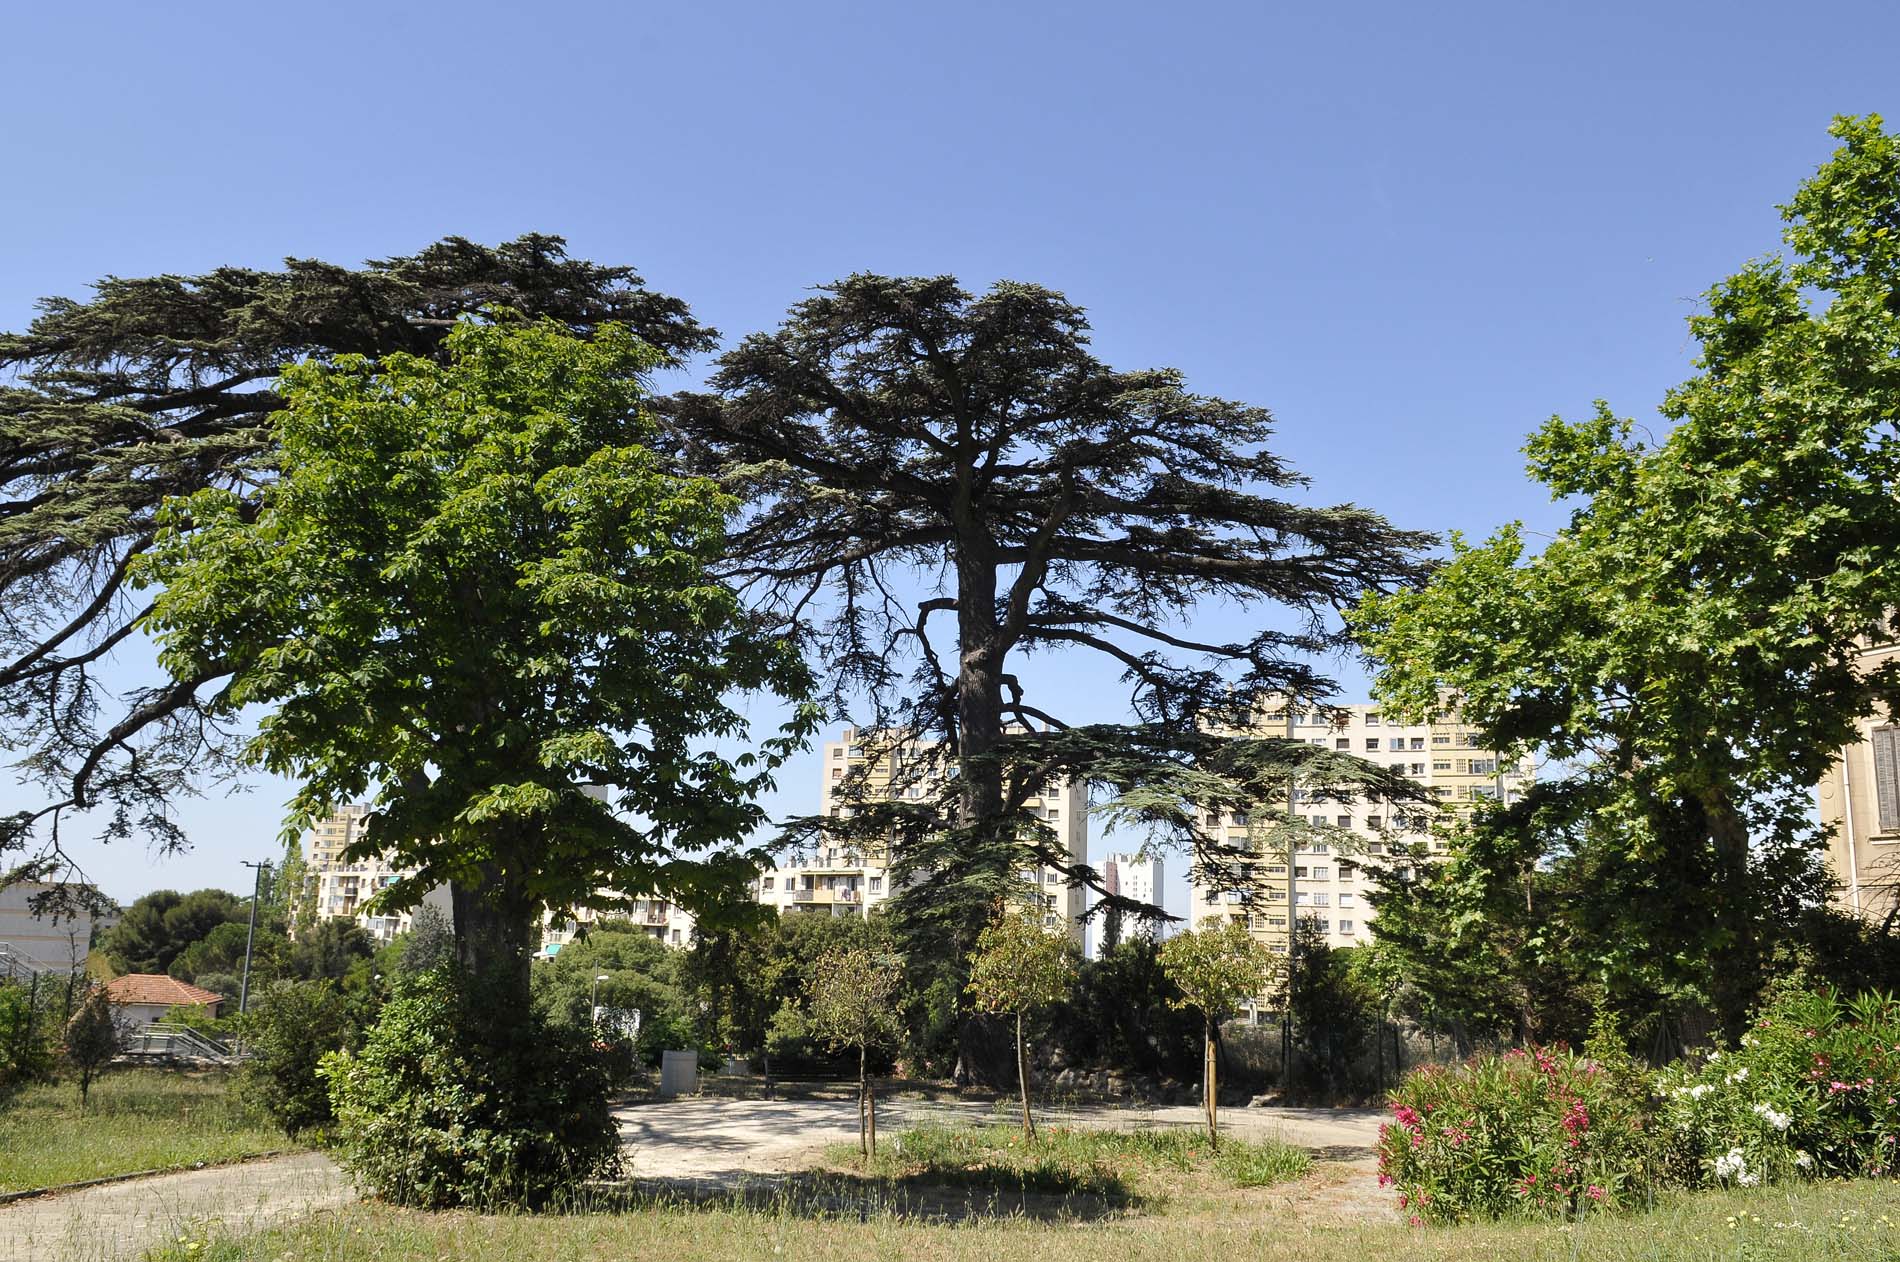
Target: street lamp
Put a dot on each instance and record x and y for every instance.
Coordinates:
(598, 979)
(250, 935)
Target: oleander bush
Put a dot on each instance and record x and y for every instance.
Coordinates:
(1541, 1131)
(451, 1102)
(1813, 1090)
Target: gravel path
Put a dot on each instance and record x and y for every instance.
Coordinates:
(118, 1221)
(721, 1140)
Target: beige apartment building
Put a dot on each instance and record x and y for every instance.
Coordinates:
(1859, 801)
(336, 889)
(839, 880)
(659, 918)
(1329, 874)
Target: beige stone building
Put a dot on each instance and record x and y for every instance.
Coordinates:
(335, 888)
(1333, 865)
(839, 880)
(1859, 801)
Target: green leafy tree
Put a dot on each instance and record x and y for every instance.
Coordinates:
(160, 926)
(853, 1004)
(739, 977)
(219, 951)
(915, 455)
(155, 388)
(470, 595)
(428, 944)
(329, 949)
(1217, 968)
(642, 975)
(1122, 1015)
(1684, 650)
(1020, 969)
(291, 1027)
(92, 1039)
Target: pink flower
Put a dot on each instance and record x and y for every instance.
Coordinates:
(1417, 1221)
(1595, 1193)
(1404, 1200)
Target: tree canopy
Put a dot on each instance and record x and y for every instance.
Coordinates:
(913, 455)
(1683, 652)
(472, 597)
(158, 387)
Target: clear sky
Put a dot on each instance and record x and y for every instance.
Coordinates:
(1412, 231)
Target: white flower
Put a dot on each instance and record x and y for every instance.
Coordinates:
(1803, 1160)
(1777, 1120)
(1748, 1180)
(1731, 1165)
(1740, 1075)
(1699, 1090)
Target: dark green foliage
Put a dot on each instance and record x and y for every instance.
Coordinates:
(329, 949)
(1125, 1015)
(219, 951)
(1684, 655)
(454, 1101)
(429, 944)
(30, 1020)
(642, 975)
(911, 450)
(91, 1040)
(290, 1028)
(158, 387)
(157, 928)
(475, 598)
(1333, 1017)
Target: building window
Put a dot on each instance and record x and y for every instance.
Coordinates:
(1342, 742)
(1372, 744)
(1418, 768)
(1887, 778)
(1484, 766)
(1322, 874)
(1418, 742)
(1441, 766)
(1397, 742)
(1441, 740)
(768, 881)
(1372, 720)
(1344, 821)
(1346, 899)
(1345, 926)
(1375, 822)
(1322, 898)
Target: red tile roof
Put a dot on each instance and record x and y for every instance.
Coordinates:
(159, 989)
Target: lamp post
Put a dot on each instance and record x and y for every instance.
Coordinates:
(250, 936)
(598, 979)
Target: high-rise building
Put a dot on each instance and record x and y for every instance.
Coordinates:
(1328, 875)
(1859, 802)
(335, 888)
(1133, 876)
(842, 880)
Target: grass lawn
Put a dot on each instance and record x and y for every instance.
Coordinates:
(136, 1119)
(1141, 1164)
(1167, 1200)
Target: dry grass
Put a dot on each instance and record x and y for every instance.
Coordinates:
(1839, 1222)
(136, 1119)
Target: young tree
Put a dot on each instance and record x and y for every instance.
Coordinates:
(156, 388)
(853, 1002)
(1686, 648)
(1021, 968)
(93, 1039)
(1216, 968)
(471, 594)
(909, 450)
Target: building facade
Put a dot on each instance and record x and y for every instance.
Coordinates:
(1132, 876)
(32, 943)
(1335, 859)
(657, 917)
(840, 880)
(338, 889)
(1859, 801)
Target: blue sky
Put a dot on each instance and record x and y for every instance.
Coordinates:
(1411, 231)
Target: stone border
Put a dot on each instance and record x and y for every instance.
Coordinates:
(8, 1198)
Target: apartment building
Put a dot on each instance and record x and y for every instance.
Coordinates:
(841, 880)
(1859, 801)
(659, 918)
(1328, 876)
(338, 889)
(32, 943)
(1133, 876)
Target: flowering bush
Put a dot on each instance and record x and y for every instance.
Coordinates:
(1542, 1131)
(1814, 1089)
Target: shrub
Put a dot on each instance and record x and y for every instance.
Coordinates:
(1539, 1132)
(452, 1102)
(289, 1030)
(1814, 1089)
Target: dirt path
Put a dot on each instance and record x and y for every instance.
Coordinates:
(118, 1221)
(721, 1140)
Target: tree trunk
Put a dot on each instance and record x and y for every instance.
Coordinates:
(493, 924)
(1733, 963)
(864, 1099)
(1209, 1089)
(870, 1112)
(1022, 1080)
(979, 700)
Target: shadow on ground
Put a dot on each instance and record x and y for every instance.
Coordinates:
(929, 1196)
